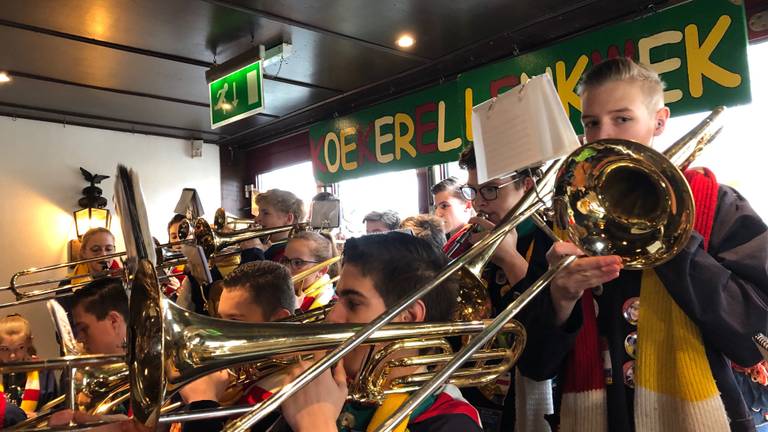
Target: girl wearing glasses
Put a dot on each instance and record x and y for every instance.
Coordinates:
(303, 251)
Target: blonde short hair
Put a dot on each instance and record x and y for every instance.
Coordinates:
(14, 325)
(625, 69)
(282, 201)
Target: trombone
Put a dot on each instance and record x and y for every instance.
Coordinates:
(623, 162)
(169, 347)
(213, 244)
(22, 297)
(578, 202)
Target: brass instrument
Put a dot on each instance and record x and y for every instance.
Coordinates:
(308, 272)
(592, 188)
(243, 376)
(213, 242)
(319, 284)
(170, 346)
(312, 315)
(88, 373)
(24, 297)
(463, 241)
(602, 200)
(99, 390)
(222, 220)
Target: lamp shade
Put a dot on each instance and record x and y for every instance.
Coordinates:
(91, 217)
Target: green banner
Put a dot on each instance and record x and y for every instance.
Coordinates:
(417, 130)
(699, 48)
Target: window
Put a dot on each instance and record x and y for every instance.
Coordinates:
(295, 178)
(736, 156)
(454, 170)
(398, 191)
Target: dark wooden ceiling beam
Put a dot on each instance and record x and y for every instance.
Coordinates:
(447, 67)
(146, 52)
(36, 77)
(313, 28)
(15, 115)
(105, 118)
(119, 91)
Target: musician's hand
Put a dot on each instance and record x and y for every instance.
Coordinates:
(506, 255)
(255, 243)
(209, 387)
(316, 406)
(584, 273)
(120, 423)
(172, 285)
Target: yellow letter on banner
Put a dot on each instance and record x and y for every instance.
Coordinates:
(699, 63)
(468, 104)
(347, 148)
(403, 142)
(381, 139)
(566, 87)
(644, 47)
(332, 167)
(442, 145)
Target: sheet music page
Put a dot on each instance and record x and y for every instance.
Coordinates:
(524, 126)
(60, 320)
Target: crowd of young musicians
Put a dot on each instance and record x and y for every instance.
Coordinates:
(668, 348)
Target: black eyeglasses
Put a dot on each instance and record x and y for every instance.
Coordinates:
(295, 262)
(488, 192)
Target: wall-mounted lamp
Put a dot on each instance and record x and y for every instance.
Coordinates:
(92, 214)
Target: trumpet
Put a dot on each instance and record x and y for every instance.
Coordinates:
(222, 220)
(213, 242)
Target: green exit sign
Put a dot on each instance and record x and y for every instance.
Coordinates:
(237, 95)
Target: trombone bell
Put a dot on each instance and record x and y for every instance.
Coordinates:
(618, 197)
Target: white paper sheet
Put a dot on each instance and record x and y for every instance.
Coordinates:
(522, 127)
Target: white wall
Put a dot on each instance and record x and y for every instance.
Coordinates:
(41, 184)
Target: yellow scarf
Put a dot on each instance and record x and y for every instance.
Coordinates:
(80, 269)
(675, 389)
(31, 393)
(391, 403)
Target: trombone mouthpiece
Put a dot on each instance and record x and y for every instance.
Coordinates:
(476, 228)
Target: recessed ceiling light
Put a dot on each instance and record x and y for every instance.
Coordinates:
(4, 77)
(405, 41)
